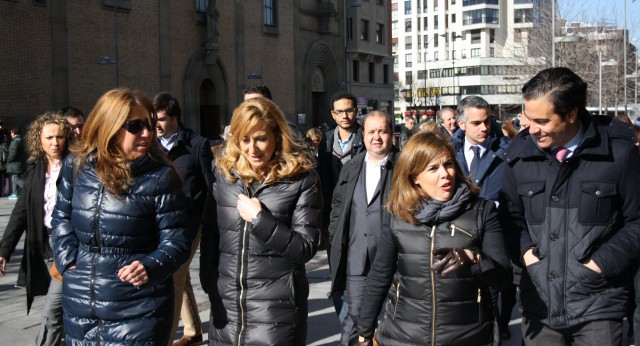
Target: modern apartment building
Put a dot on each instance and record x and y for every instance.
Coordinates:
(446, 49)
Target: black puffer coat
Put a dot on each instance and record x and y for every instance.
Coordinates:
(101, 233)
(254, 273)
(424, 307)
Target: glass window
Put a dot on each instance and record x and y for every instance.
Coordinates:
(408, 79)
(485, 15)
(364, 31)
(475, 52)
(407, 7)
(407, 25)
(380, 33)
(270, 13)
(408, 60)
(372, 72)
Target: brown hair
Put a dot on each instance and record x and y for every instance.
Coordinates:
(290, 157)
(99, 137)
(511, 132)
(405, 196)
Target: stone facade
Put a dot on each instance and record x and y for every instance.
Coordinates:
(52, 52)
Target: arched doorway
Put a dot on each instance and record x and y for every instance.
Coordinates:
(209, 111)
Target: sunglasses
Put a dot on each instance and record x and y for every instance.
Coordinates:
(136, 126)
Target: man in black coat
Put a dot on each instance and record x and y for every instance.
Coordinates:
(191, 154)
(338, 146)
(569, 203)
(356, 214)
(406, 131)
(16, 162)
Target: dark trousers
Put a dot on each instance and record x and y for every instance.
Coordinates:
(355, 292)
(596, 333)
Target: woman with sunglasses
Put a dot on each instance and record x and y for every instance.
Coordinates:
(261, 226)
(443, 250)
(46, 142)
(118, 227)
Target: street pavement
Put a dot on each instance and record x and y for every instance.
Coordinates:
(18, 329)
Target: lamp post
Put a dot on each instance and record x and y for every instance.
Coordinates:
(348, 37)
(453, 65)
(601, 63)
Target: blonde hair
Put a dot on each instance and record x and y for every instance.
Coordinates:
(33, 141)
(99, 137)
(405, 196)
(429, 126)
(290, 157)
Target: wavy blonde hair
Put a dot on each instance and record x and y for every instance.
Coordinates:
(99, 137)
(405, 196)
(33, 142)
(289, 159)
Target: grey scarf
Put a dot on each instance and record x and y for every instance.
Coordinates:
(434, 212)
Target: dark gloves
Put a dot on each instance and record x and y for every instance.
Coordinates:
(450, 259)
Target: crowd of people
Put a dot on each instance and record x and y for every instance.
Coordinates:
(429, 236)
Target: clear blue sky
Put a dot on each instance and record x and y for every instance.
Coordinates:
(594, 11)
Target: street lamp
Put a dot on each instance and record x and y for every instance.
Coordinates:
(601, 63)
(348, 37)
(453, 64)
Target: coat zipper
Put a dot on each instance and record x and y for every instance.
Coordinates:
(242, 290)
(395, 309)
(455, 228)
(96, 230)
(433, 289)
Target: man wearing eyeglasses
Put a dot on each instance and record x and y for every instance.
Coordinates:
(192, 156)
(338, 146)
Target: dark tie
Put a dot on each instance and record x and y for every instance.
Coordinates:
(561, 153)
(475, 161)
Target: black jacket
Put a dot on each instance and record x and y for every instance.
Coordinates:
(28, 216)
(341, 213)
(255, 273)
(17, 158)
(192, 157)
(330, 166)
(584, 208)
(424, 307)
(101, 233)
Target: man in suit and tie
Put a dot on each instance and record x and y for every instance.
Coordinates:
(356, 214)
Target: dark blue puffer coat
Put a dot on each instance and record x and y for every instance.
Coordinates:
(101, 233)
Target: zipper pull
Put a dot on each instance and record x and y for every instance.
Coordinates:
(453, 230)
(433, 230)
(479, 296)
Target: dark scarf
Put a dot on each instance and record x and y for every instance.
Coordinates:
(434, 212)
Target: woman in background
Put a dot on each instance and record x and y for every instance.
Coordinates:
(118, 227)
(261, 226)
(47, 139)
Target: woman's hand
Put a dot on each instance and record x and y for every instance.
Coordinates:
(248, 207)
(364, 342)
(134, 273)
(528, 258)
(450, 259)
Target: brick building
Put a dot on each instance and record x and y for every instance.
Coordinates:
(57, 53)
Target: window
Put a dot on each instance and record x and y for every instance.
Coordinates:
(372, 72)
(270, 13)
(524, 15)
(425, 23)
(453, 18)
(476, 2)
(394, 26)
(407, 7)
(485, 15)
(426, 41)
(385, 73)
(435, 40)
(463, 53)
(407, 60)
(395, 61)
(434, 73)
(408, 79)
(364, 31)
(475, 36)
(435, 21)
(475, 52)
(350, 28)
(422, 74)
(435, 56)
(492, 52)
(407, 42)
(380, 33)
(492, 36)
(407, 25)
(419, 43)
(356, 71)
(435, 5)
